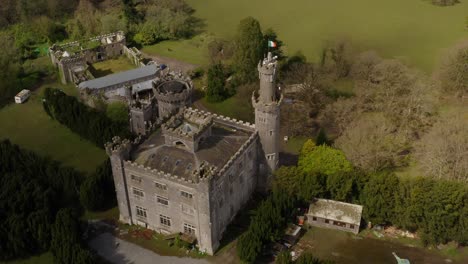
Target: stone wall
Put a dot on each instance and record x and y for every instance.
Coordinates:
(327, 223)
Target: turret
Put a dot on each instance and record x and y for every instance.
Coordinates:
(267, 118)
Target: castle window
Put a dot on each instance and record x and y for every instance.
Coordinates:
(220, 203)
(165, 220)
(230, 190)
(189, 229)
(141, 212)
(241, 164)
(135, 179)
(271, 132)
(138, 193)
(162, 200)
(177, 162)
(186, 195)
(189, 167)
(160, 186)
(165, 158)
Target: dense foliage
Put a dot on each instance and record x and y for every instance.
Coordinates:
(81, 119)
(266, 225)
(437, 209)
(97, 191)
(33, 190)
(216, 90)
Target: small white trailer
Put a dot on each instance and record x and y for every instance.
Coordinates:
(22, 96)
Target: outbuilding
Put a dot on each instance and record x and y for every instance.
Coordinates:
(335, 215)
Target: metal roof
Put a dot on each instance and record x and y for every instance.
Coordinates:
(121, 77)
(337, 211)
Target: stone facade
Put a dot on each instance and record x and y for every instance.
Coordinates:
(197, 171)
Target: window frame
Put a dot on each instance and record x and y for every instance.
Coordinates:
(186, 195)
(161, 198)
(165, 220)
(141, 212)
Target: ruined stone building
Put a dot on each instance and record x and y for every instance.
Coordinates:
(72, 58)
(194, 173)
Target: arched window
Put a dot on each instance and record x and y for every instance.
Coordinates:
(180, 144)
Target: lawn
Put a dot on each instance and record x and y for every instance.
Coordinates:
(45, 258)
(103, 68)
(194, 50)
(29, 126)
(415, 30)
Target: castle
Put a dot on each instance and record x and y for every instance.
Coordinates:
(194, 173)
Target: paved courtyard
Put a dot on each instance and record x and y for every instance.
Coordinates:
(119, 251)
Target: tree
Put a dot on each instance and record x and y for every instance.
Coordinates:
(373, 143)
(270, 35)
(65, 244)
(112, 23)
(308, 258)
(216, 90)
(9, 63)
(249, 49)
(322, 138)
(364, 64)
(453, 72)
(325, 160)
(442, 152)
(378, 197)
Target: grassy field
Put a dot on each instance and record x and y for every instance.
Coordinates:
(193, 50)
(29, 126)
(45, 258)
(103, 68)
(413, 30)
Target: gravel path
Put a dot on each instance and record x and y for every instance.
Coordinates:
(129, 253)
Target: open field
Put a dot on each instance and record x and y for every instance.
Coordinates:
(45, 258)
(413, 30)
(29, 126)
(103, 68)
(343, 247)
(194, 50)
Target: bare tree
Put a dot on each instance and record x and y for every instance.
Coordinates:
(453, 72)
(443, 151)
(364, 64)
(373, 142)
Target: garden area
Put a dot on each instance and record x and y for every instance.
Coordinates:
(103, 68)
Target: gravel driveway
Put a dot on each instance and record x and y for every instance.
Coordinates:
(128, 253)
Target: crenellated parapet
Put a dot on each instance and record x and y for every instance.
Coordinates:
(118, 146)
(239, 153)
(187, 124)
(272, 107)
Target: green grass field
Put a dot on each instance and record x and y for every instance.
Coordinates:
(414, 30)
(45, 258)
(29, 126)
(194, 50)
(103, 68)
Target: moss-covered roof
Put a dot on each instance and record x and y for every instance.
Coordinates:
(337, 211)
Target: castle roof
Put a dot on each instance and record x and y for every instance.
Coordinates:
(216, 149)
(121, 77)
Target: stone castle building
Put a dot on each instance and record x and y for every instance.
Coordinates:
(199, 169)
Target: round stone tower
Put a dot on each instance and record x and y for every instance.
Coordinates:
(172, 93)
(267, 117)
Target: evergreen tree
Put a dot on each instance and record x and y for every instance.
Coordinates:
(249, 49)
(215, 90)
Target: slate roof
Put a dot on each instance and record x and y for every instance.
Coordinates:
(121, 77)
(337, 211)
(217, 149)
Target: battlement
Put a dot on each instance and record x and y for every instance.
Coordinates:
(239, 153)
(187, 124)
(118, 146)
(203, 174)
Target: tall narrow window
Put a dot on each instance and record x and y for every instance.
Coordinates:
(141, 212)
(165, 220)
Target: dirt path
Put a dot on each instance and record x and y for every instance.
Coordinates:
(173, 64)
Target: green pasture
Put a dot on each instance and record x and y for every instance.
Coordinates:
(30, 127)
(413, 30)
(194, 50)
(45, 258)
